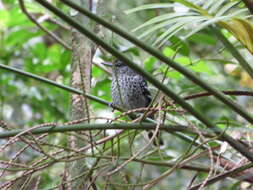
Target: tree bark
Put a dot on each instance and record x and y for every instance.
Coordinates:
(82, 54)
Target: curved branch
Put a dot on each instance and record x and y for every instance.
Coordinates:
(51, 34)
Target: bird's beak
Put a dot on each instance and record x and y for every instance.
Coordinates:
(107, 64)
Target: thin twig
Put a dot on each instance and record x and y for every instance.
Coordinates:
(51, 34)
(225, 175)
(227, 92)
(141, 150)
(54, 21)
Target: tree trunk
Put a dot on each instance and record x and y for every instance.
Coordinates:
(80, 79)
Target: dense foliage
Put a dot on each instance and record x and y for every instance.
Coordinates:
(182, 31)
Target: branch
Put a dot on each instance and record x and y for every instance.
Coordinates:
(91, 97)
(90, 127)
(229, 92)
(99, 100)
(56, 22)
(51, 34)
(53, 83)
(235, 144)
(225, 175)
(219, 95)
(195, 167)
(73, 90)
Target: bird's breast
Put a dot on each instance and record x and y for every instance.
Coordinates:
(127, 93)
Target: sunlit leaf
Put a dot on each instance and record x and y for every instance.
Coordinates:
(149, 63)
(4, 15)
(174, 75)
(201, 67)
(96, 72)
(183, 60)
(168, 52)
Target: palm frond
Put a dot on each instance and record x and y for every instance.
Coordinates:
(201, 14)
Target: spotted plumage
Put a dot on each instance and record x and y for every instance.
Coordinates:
(130, 90)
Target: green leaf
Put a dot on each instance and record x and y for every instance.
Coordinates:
(202, 39)
(65, 58)
(102, 89)
(18, 19)
(29, 66)
(174, 75)
(201, 67)
(149, 64)
(54, 53)
(183, 60)
(20, 37)
(214, 20)
(177, 25)
(168, 52)
(4, 15)
(53, 61)
(33, 8)
(96, 72)
(39, 51)
(171, 73)
(225, 8)
(179, 45)
(161, 18)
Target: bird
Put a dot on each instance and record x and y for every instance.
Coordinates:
(129, 91)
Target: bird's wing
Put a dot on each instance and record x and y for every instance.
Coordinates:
(144, 88)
